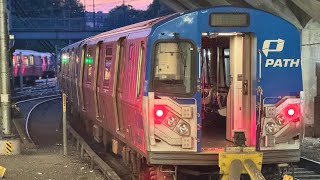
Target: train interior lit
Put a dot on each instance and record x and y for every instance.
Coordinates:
(226, 90)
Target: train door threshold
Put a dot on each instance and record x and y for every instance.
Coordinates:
(235, 161)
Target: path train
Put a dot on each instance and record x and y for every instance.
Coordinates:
(173, 91)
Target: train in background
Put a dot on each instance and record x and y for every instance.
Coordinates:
(35, 65)
(171, 93)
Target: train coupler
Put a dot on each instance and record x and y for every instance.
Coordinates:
(235, 161)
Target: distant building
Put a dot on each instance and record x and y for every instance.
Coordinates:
(99, 19)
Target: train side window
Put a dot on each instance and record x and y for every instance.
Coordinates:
(61, 63)
(31, 60)
(226, 57)
(25, 60)
(67, 63)
(108, 62)
(89, 61)
(139, 69)
(72, 58)
(70, 64)
(14, 60)
(76, 68)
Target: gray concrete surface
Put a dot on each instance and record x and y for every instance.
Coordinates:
(47, 162)
(310, 55)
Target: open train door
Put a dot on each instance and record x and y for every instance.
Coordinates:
(241, 116)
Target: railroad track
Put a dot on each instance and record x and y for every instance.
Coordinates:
(22, 115)
(40, 89)
(33, 93)
(111, 166)
(307, 169)
(95, 160)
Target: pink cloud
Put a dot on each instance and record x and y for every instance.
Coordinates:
(107, 5)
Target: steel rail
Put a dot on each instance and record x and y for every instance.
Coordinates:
(27, 119)
(307, 169)
(33, 99)
(35, 95)
(107, 171)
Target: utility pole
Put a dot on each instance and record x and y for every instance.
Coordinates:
(69, 25)
(9, 144)
(94, 15)
(4, 67)
(85, 15)
(124, 13)
(20, 71)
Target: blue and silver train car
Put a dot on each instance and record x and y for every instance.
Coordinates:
(212, 73)
(178, 90)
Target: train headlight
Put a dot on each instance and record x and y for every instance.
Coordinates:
(271, 128)
(183, 129)
(280, 119)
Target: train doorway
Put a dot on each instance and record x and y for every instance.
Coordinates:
(228, 101)
(119, 83)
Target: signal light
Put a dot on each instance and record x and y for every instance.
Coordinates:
(88, 60)
(292, 112)
(64, 60)
(159, 114)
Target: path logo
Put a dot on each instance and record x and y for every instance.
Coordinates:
(266, 46)
(286, 62)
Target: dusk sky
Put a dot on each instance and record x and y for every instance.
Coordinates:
(107, 5)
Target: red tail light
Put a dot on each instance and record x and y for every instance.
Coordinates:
(292, 112)
(159, 114)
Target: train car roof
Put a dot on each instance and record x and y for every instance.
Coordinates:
(132, 27)
(129, 28)
(76, 44)
(30, 52)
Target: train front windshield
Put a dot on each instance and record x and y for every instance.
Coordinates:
(173, 70)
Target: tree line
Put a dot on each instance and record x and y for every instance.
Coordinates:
(125, 14)
(117, 17)
(46, 8)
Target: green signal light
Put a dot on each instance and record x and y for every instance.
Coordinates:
(64, 60)
(89, 60)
